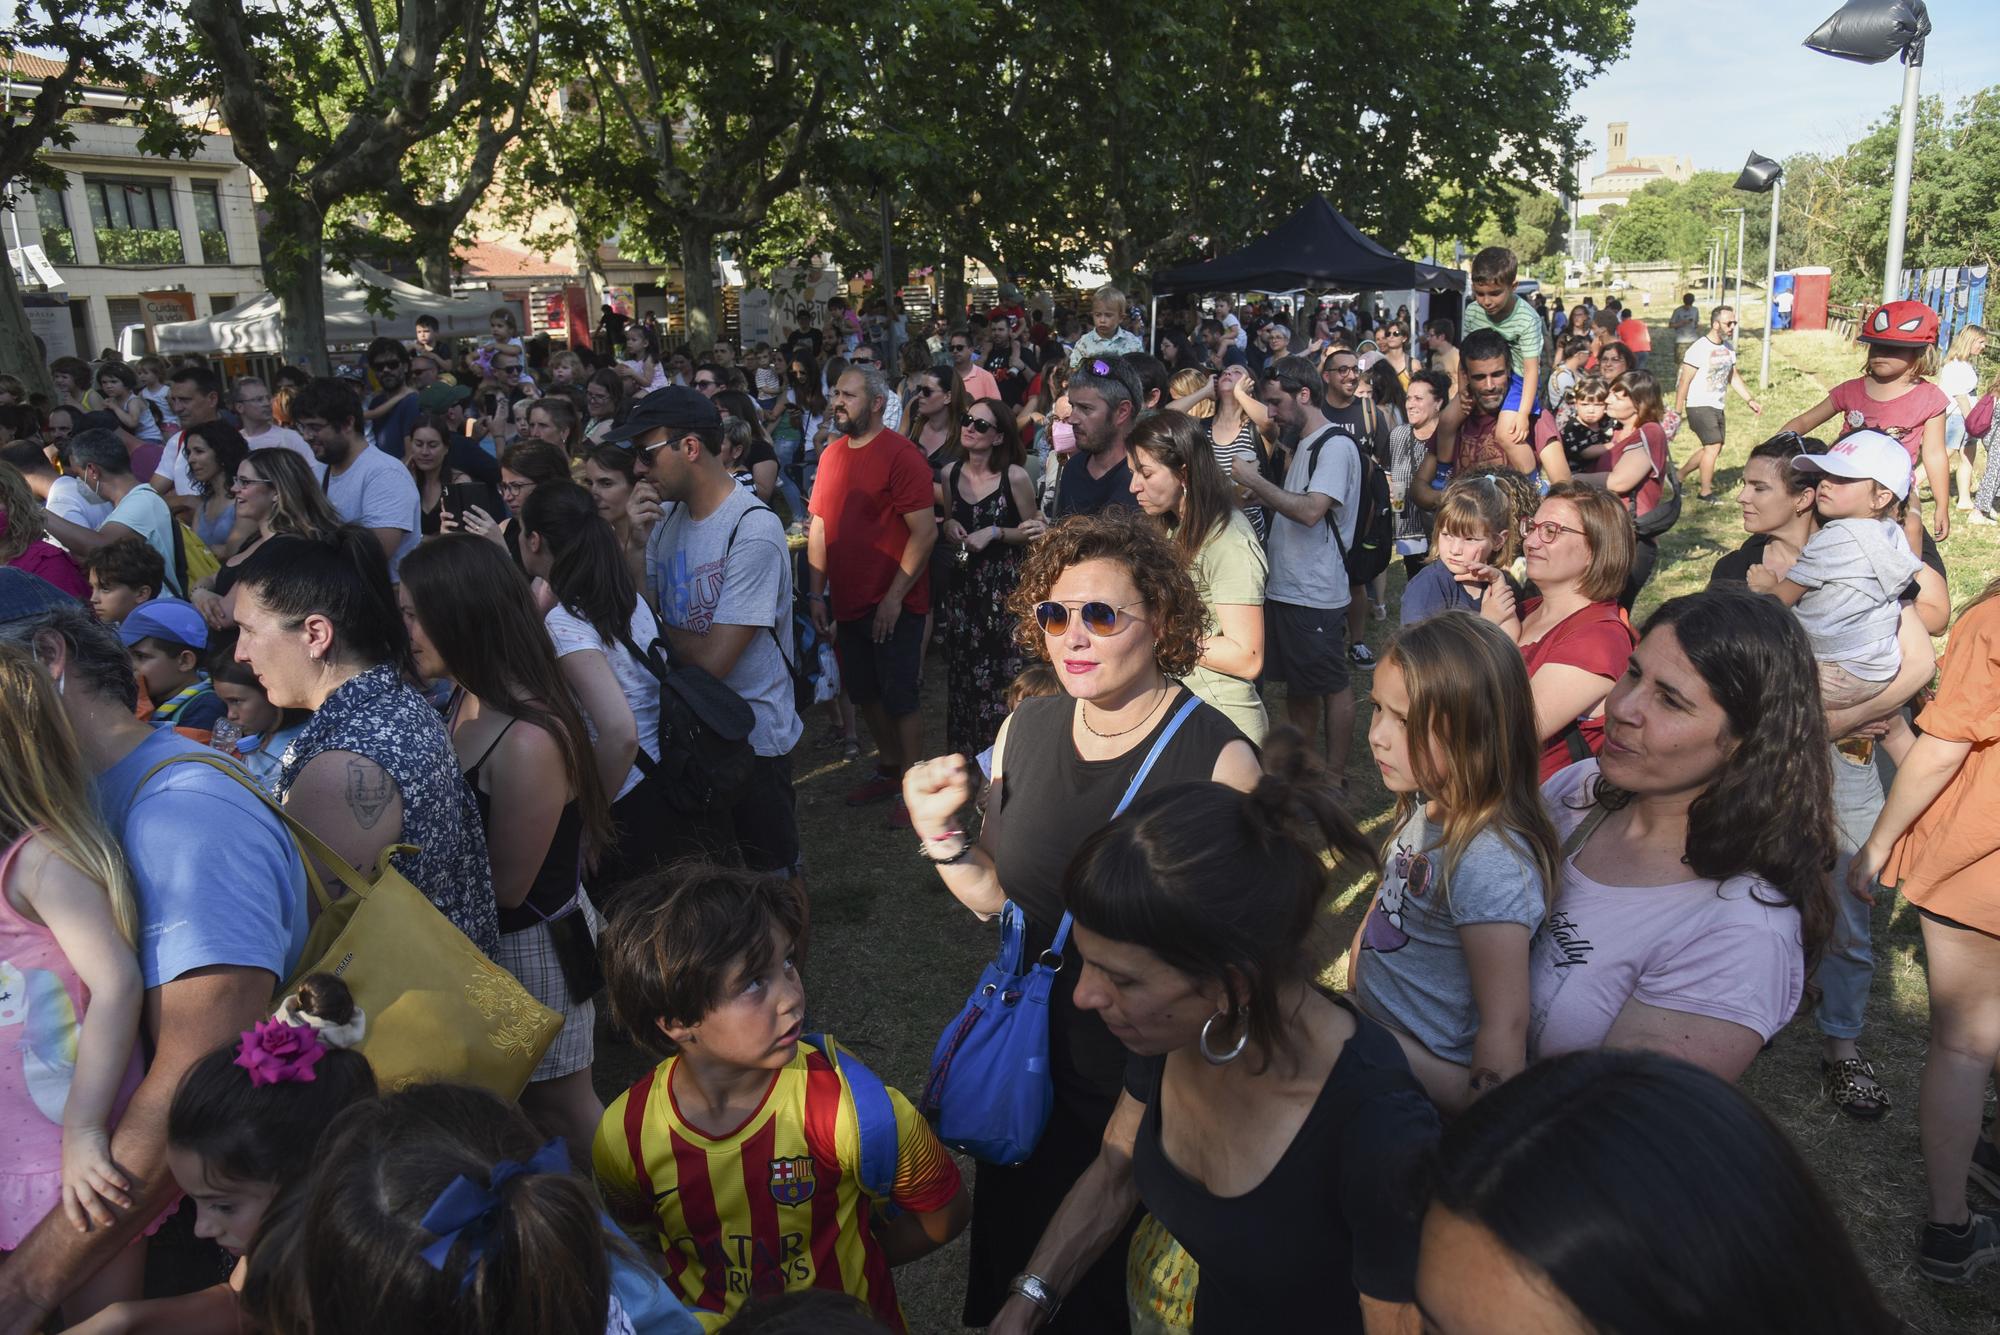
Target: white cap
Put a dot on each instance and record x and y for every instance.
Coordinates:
(1863, 454)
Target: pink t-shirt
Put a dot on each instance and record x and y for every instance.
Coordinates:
(1724, 949)
(1901, 418)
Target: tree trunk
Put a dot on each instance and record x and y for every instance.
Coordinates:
(294, 266)
(704, 299)
(434, 260)
(18, 350)
(953, 307)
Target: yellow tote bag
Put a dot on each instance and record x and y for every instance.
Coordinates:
(438, 1008)
(1160, 1281)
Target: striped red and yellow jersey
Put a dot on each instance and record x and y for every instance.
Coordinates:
(775, 1205)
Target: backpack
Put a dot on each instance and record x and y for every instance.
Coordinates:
(704, 739)
(1374, 520)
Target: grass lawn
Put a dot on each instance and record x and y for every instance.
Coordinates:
(893, 954)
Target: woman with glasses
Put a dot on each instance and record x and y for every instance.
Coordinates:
(604, 401)
(1693, 898)
(1394, 344)
(523, 467)
(938, 406)
(990, 504)
(1107, 602)
(277, 495)
(1573, 635)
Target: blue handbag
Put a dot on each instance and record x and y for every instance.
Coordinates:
(989, 1090)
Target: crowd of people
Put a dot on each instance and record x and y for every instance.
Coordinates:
(544, 634)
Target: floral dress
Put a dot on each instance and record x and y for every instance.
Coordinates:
(978, 629)
(377, 715)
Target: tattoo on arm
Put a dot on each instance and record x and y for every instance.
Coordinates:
(1483, 1079)
(368, 792)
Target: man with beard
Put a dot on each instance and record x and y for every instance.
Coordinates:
(1364, 423)
(978, 381)
(365, 486)
(392, 413)
(1104, 398)
(868, 555)
(1469, 437)
(1312, 523)
(1222, 350)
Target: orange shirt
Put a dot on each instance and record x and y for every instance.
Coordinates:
(1949, 861)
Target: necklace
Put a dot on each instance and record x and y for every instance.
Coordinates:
(1122, 731)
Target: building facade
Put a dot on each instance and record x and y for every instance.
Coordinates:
(1624, 174)
(126, 223)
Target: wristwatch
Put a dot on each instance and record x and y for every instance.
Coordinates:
(1037, 1291)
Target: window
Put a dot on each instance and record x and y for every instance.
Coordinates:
(134, 221)
(208, 218)
(57, 243)
(218, 302)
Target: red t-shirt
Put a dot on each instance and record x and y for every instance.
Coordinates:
(1597, 639)
(861, 496)
(1635, 335)
(1653, 438)
(1901, 418)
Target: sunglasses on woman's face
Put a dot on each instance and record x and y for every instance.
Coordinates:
(971, 423)
(1100, 619)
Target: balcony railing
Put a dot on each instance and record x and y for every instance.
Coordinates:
(118, 245)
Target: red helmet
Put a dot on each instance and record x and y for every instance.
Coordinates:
(1908, 324)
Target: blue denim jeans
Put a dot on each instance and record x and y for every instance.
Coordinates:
(1848, 966)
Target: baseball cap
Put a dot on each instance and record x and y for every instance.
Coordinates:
(1862, 454)
(23, 595)
(436, 398)
(167, 619)
(676, 408)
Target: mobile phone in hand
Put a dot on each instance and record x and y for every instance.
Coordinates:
(453, 500)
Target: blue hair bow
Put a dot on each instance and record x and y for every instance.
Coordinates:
(468, 1212)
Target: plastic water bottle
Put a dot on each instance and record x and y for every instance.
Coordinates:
(225, 736)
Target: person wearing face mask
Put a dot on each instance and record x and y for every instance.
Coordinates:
(103, 470)
(1107, 602)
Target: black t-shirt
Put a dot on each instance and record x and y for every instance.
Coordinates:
(1078, 493)
(1734, 568)
(1334, 1218)
(1356, 419)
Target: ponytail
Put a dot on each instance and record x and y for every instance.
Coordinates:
(344, 579)
(588, 571)
(1225, 885)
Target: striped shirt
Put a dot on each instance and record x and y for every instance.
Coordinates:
(775, 1205)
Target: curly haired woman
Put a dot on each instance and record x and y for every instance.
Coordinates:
(1107, 601)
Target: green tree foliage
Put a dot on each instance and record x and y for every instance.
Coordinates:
(92, 44)
(1539, 231)
(1676, 220)
(323, 103)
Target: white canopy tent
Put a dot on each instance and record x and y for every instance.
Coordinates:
(254, 326)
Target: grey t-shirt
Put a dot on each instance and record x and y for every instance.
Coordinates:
(1854, 572)
(378, 492)
(699, 576)
(1306, 566)
(1414, 975)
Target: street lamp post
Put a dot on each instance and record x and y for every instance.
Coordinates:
(1736, 288)
(1870, 32)
(1760, 175)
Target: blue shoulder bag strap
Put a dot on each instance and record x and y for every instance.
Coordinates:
(874, 1118)
(1188, 706)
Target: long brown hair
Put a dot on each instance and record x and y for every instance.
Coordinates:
(1007, 452)
(1180, 444)
(20, 513)
(1473, 746)
(300, 506)
(43, 786)
(954, 390)
(1644, 390)
(476, 609)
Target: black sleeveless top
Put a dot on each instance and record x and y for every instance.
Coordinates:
(1054, 799)
(1338, 1195)
(556, 880)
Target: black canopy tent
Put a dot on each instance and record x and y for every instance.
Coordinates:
(1317, 249)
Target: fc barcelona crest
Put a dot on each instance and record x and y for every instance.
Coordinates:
(791, 1181)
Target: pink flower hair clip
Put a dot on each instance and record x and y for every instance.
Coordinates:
(275, 1052)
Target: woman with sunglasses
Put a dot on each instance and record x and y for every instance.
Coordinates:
(1573, 635)
(1395, 348)
(991, 507)
(937, 407)
(1107, 602)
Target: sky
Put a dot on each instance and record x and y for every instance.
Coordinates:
(1714, 79)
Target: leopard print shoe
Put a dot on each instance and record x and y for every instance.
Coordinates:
(1852, 1086)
